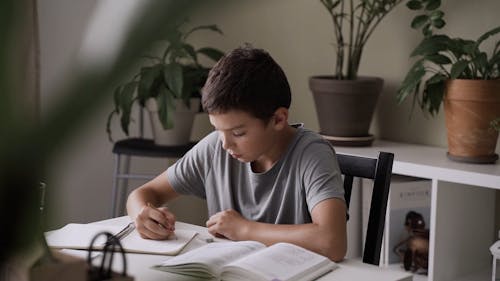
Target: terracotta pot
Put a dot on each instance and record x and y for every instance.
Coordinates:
(470, 106)
(345, 107)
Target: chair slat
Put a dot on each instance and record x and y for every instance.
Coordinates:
(379, 170)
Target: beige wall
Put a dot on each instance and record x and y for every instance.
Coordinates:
(299, 36)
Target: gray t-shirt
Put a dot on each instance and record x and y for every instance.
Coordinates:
(306, 174)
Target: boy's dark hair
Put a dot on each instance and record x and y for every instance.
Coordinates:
(246, 79)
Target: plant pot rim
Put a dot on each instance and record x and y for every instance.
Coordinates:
(331, 77)
(484, 90)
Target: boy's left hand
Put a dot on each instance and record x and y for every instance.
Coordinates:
(229, 224)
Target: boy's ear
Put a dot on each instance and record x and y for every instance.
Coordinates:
(280, 119)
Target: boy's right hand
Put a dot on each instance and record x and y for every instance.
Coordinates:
(155, 223)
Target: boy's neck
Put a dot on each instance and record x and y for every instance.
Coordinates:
(280, 147)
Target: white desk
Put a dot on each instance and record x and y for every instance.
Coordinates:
(139, 264)
(462, 206)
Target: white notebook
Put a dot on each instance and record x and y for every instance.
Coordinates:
(79, 236)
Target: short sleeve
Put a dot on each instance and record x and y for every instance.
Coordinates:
(187, 175)
(322, 178)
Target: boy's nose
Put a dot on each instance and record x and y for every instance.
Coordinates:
(226, 141)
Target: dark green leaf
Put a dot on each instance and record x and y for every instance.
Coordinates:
(487, 35)
(431, 45)
(411, 81)
(126, 102)
(190, 51)
(108, 124)
(458, 68)
(147, 78)
(427, 30)
(414, 5)
(194, 79)
(436, 78)
(469, 47)
(480, 63)
(211, 27)
(434, 93)
(438, 14)
(166, 107)
(438, 23)
(174, 78)
(432, 5)
(419, 21)
(116, 97)
(438, 59)
(212, 53)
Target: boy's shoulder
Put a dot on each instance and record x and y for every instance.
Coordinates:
(308, 139)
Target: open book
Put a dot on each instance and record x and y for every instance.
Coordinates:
(79, 236)
(249, 260)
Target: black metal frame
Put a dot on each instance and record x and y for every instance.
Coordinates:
(379, 170)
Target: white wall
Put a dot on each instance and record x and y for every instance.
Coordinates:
(297, 33)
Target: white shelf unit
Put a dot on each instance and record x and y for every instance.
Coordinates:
(462, 206)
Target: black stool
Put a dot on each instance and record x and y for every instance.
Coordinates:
(137, 147)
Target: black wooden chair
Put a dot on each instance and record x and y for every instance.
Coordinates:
(380, 171)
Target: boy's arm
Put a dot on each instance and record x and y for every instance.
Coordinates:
(152, 222)
(326, 234)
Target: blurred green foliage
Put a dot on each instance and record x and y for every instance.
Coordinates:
(27, 145)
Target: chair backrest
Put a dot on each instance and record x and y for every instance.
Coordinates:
(379, 170)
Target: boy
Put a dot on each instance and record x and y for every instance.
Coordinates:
(263, 179)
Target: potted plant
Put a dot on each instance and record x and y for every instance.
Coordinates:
(456, 72)
(345, 101)
(168, 87)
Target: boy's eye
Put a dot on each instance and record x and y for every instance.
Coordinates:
(238, 134)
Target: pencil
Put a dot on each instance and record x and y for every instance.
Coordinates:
(172, 235)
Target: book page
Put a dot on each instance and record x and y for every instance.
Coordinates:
(135, 244)
(79, 236)
(209, 258)
(282, 261)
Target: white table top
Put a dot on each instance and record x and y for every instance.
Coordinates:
(139, 265)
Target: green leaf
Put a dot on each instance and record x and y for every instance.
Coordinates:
(469, 47)
(431, 45)
(126, 102)
(438, 59)
(427, 30)
(147, 78)
(212, 53)
(190, 51)
(419, 21)
(438, 23)
(432, 5)
(480, 63)
(437, 78)
(414, 5)
(116, 98)
(487, 35)
(434, 93)
(438, 14)
(166, 107)
(411, 81)
(329, 4)
(211, 27)
(458, 68)
(174, 78)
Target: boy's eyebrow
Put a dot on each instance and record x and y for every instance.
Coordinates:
(230, 129)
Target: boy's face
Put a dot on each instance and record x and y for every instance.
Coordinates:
(245, 137)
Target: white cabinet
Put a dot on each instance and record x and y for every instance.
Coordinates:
(462, 219)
